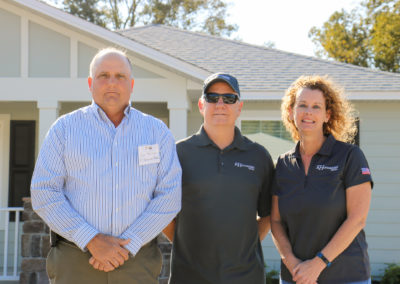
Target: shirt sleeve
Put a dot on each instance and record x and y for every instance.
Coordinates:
(264, 201)
(166, 202)
(356, 170)
(48, 199)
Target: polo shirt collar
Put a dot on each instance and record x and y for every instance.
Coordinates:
(202, 139)
(325, 150)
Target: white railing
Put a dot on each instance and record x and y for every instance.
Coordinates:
(13, 273)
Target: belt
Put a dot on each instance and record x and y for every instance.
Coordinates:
(55, 238)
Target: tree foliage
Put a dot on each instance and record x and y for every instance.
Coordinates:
(366, 36)
(86, 9)
(198, 15)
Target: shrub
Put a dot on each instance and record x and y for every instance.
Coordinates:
(391, 275)
(272, 277)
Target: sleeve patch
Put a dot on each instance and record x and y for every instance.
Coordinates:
(365, 171)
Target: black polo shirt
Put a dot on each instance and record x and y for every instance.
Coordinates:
(216, 237)
(313, 206)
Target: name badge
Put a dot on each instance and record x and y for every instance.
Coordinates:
(149, 154)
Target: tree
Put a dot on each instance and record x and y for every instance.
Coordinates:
(198, 15)
(366, 36)
(86, 9)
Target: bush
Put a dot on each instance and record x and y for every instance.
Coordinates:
(272, 277)
(391, 275)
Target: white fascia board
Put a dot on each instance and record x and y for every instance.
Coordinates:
(354, 96)
(153, 55)
(53, 90)
(374, 96)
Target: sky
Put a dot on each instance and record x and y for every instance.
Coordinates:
(286, 23)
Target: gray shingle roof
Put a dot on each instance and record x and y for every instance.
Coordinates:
(257, 68)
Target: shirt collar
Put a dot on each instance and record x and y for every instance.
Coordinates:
(202, 139)
(325, 150)
(102, 115)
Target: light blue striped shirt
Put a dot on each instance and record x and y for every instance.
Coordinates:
(88, 180)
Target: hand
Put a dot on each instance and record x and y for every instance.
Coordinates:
(291, 262)
(307, 272)
(107, 252)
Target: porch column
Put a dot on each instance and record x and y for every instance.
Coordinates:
(48, 113)
(178, 118)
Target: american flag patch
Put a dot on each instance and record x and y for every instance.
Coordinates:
(365, 171)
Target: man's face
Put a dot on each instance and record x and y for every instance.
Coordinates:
(220, 114)
(111, 85)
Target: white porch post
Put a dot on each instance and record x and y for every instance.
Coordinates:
(48, 113)
(178, 117)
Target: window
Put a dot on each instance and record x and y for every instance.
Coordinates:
(269, 133)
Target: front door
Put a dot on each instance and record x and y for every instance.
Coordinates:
(22, 160)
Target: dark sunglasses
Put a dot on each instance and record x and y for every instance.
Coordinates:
(226, 98)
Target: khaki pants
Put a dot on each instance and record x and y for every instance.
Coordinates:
(67, 264)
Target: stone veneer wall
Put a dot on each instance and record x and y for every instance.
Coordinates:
(36, 245)
(34, 248)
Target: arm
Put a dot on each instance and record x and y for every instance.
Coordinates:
(166, 201)
(169, 231)
(264, 224)
(48, 199)
(281, 239)
(358, 199)
(264, 200)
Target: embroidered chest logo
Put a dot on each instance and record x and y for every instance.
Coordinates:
(330, 168)
(240, 165)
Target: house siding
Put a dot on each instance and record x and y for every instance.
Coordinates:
(10, 48)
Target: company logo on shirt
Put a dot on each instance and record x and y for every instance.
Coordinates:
(330, 168)
(240, 165)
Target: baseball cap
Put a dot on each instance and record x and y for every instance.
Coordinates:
(221, 77)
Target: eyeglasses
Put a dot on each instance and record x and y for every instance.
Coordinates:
(213, 98)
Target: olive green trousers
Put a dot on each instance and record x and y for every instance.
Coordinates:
(67, 264)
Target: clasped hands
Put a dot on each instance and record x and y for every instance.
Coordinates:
(306, 272)
(107, 252)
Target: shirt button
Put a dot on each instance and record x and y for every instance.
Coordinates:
(116, 186)
(222, 163)
(116, 164)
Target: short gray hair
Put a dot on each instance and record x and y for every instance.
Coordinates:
(106, 51)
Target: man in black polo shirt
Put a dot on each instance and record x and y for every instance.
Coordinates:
(225, 185)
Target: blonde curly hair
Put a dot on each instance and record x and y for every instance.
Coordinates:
(342, 121)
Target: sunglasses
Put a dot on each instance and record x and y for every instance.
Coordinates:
(226, 98)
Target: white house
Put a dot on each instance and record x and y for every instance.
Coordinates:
(44, 59)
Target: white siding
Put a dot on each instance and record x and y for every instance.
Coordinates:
(49, 52)
(85, 55)
(380, 141)
(10, 47)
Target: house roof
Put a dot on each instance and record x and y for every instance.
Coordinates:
(257, 68)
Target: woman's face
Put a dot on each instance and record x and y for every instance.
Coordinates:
(309, 112)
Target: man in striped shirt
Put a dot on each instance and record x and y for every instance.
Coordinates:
(107, 181)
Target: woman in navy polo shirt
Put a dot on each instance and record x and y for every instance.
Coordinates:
(322, 189)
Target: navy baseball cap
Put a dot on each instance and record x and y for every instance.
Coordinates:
(221, 77)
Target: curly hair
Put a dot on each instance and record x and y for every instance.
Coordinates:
(342, 121)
